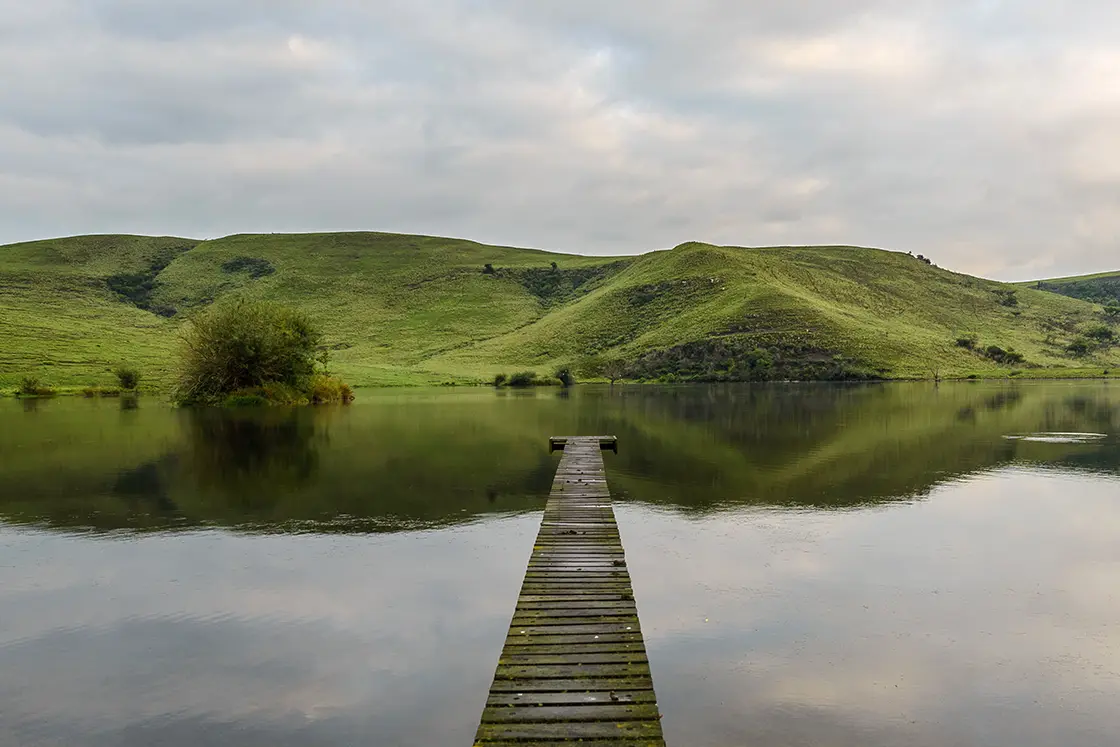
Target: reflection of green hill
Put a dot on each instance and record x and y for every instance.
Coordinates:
(829, 445)
(414, 459)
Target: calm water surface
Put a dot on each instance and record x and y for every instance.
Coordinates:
(813, 565)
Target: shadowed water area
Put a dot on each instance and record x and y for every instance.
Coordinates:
(813, 565)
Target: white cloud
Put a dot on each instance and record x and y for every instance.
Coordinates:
(977, 136)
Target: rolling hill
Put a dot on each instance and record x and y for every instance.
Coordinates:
(400, 309)
(1103, 287)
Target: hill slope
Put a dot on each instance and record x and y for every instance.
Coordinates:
(1102, 287)
(402, 309)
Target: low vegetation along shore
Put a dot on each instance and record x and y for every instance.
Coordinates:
(388, 309)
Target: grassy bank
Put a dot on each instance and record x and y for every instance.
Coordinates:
(415, 310)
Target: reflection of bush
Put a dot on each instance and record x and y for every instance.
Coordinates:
(252, 454)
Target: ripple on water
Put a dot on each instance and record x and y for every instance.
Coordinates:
(1060, 438)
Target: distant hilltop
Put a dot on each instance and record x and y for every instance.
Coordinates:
(401, 310)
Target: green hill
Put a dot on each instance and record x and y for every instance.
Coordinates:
(401, 309)
(1103, 287)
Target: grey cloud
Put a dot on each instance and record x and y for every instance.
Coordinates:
(976, 133)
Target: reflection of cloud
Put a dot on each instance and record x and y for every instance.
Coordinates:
(334, 637)
(986, 607)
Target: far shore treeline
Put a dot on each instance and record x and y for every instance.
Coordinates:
(290, 318)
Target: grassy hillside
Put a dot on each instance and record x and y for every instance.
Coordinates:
(1102, 287)
(403, 309)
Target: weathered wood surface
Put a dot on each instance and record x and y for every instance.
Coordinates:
(574, 666)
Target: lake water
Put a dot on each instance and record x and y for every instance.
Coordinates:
(814, 565)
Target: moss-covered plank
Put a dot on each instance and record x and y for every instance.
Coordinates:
(573, 671)
(512, 648)
(540, 712)
(571, 698)
(654, 742)
(544, 639)
(571, 731)
(567, 657)
(608, 685)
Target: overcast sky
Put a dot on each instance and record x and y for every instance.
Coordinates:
(984, 134)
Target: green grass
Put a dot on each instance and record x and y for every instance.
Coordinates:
(1102, 287)
(408, 310)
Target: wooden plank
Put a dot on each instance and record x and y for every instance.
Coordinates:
(571, 731)
(574, 665)
(571, 698)
(541, 713)
(554, 639)
(567, 657)
(567, 743)
(513, 649)
(572, 685)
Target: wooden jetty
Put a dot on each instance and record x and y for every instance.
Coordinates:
(574, 666)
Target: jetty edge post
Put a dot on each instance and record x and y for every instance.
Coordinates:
(606, 443)
(574, 667)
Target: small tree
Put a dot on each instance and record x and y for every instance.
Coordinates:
(614, 369)
(1078, 347)
(127, 377)
(1102, 333)
(488, 269)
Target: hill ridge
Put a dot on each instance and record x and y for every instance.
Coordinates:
(410, 309)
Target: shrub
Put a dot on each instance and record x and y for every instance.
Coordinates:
(969, 341)
(523, 378)
(240, 350)
(565, 375)
(1112, 311)
(999, 355)
(488, 269)
(1079, 347)
(759, 358)
(500, 379)
(31, 387)
(1007, 297)
(128, 377)
(245, 399)
(329, 389)
(1102, 333)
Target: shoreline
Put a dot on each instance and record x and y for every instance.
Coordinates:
(1053, 375)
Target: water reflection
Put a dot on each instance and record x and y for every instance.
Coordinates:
(983, 615)
(964, 594)
(207, 638)
(403, 460)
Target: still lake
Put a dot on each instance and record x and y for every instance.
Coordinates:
(814, 565)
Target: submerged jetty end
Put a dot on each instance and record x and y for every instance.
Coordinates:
(574, 666)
